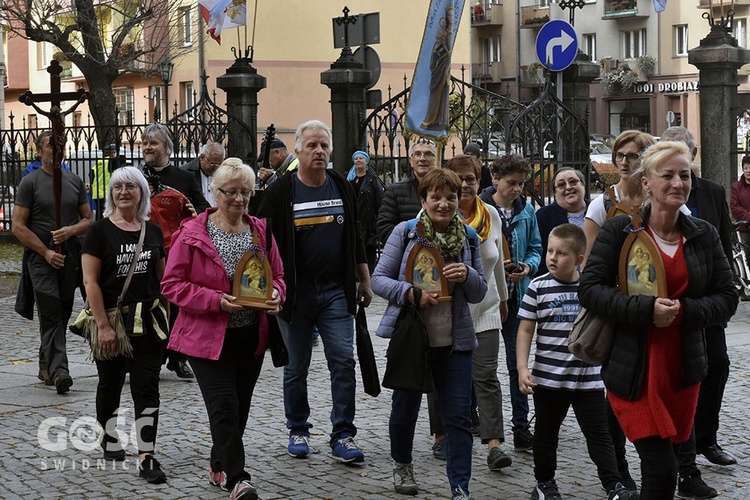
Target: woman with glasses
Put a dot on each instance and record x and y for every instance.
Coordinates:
(108, 250)
(225, 342)
(569, 206)
(626, 196)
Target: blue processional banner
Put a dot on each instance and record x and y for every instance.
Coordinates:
(428, 111)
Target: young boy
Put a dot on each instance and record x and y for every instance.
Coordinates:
(559, 379)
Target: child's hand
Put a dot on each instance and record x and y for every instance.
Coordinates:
(525, 383)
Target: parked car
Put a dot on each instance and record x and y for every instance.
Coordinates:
(607, 139)
(600, 152)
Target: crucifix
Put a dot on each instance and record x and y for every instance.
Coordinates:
(346, 20)
(57, 118)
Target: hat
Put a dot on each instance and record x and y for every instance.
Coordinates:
(362, 154)
(275, 144)
(473, 149)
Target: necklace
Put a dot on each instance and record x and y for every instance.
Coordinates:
(665, 241)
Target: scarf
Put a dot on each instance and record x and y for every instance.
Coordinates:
(449, 243)
(481, 221)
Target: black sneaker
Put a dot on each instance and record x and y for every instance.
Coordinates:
(150, 469)
(523, 440)
(112, 449)
(180, 368)
(438, 450)
(546, 490)
(694, 487)
(620, 492)
(497, 459)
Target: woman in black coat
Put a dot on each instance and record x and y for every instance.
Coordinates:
(369, 190)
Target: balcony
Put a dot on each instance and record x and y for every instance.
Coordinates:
(487, 72)
(705, 4)
(487, 14)
(533, 17)
(616, 9)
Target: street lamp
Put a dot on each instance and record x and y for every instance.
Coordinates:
(165, 68)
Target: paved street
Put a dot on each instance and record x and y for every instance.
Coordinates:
(31, 471)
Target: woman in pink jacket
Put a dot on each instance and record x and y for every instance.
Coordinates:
(225, 342)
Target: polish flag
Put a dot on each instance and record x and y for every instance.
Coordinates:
(223, 14)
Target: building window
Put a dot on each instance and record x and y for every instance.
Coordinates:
(740, 32)
(543, 3)
(186, 25)
(188, 96)
(633, 43)
(43, 55)
(589, 45)
(491, 49)
(125, 105)
(681, 40)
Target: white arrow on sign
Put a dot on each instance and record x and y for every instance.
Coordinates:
(564, 41)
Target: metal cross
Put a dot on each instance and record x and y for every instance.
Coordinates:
(346, 21)
(57, 117)
(572, 5)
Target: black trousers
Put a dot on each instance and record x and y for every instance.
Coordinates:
(551, 407)
(712, 389)
(658, 468)
(144, 369)
(227, 386)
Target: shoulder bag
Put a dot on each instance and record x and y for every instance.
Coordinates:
(591, 337)
(85, 324)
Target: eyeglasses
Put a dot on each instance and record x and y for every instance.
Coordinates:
(427, 155)
(470, 181)
(127, 187)
(572, 183)
(233, 193)
(632, 157)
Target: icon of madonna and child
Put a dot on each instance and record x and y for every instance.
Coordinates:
(641, 272)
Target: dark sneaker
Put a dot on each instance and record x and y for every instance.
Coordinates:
(217, 478)
(150, 470)
(523, 440)
(112, 449)
(345, 450)
(546, 491)
(438, 450)
(620, 492)
(403, 479)
(181, 369)
(298, 446)
(63, 382)
(497, 459)
(694, 487)
(244, 489)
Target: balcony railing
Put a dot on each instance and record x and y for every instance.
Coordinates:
(618, 8)
(704, 4)
(533, 16)
(484, 72)
(490, 14)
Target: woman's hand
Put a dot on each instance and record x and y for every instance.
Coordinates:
(503, 311)
(525, 383)
(428, 299)
(456, 273)
(665, 311)
(228, 305)
(518, 275)
(274, 302)
(107, 338)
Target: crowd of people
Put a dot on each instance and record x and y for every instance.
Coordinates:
(169, 241)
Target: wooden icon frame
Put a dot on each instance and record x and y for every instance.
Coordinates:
(245, 295)
(629, 279)
(440, 283)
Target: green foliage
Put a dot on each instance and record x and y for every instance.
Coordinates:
(619, 80)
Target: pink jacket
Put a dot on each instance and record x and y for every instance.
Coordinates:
(195, 280)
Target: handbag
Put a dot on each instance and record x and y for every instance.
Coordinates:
(85, 324)
(591, 337)
(408, 358)
(279, 352)
(366, 355)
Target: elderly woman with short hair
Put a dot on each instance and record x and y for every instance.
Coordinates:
(225, 342)
(108, 250)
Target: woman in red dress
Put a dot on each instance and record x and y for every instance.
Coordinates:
(659, 356)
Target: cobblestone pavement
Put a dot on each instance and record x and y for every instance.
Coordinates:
(184, 441)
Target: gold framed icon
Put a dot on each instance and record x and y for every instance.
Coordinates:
(253, 278)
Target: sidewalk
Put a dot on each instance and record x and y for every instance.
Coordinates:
(184, 440)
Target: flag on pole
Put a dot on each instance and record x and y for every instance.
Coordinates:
(660, 5)
(428, 112)
(223, 14)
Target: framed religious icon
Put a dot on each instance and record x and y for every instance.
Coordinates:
(641, 268)
(253, 278)
(424, 267)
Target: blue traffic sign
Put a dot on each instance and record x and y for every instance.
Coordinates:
(556, 45)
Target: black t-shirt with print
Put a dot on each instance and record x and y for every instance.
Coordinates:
(115, 248)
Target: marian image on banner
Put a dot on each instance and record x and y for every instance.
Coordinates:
(428, 111)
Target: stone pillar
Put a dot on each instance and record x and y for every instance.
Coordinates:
(242, 83)
(576, 84)
(348, 81)
(718, 58)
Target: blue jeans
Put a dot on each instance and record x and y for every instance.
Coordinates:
(451, 371)
(321, 305)
(518, 400)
